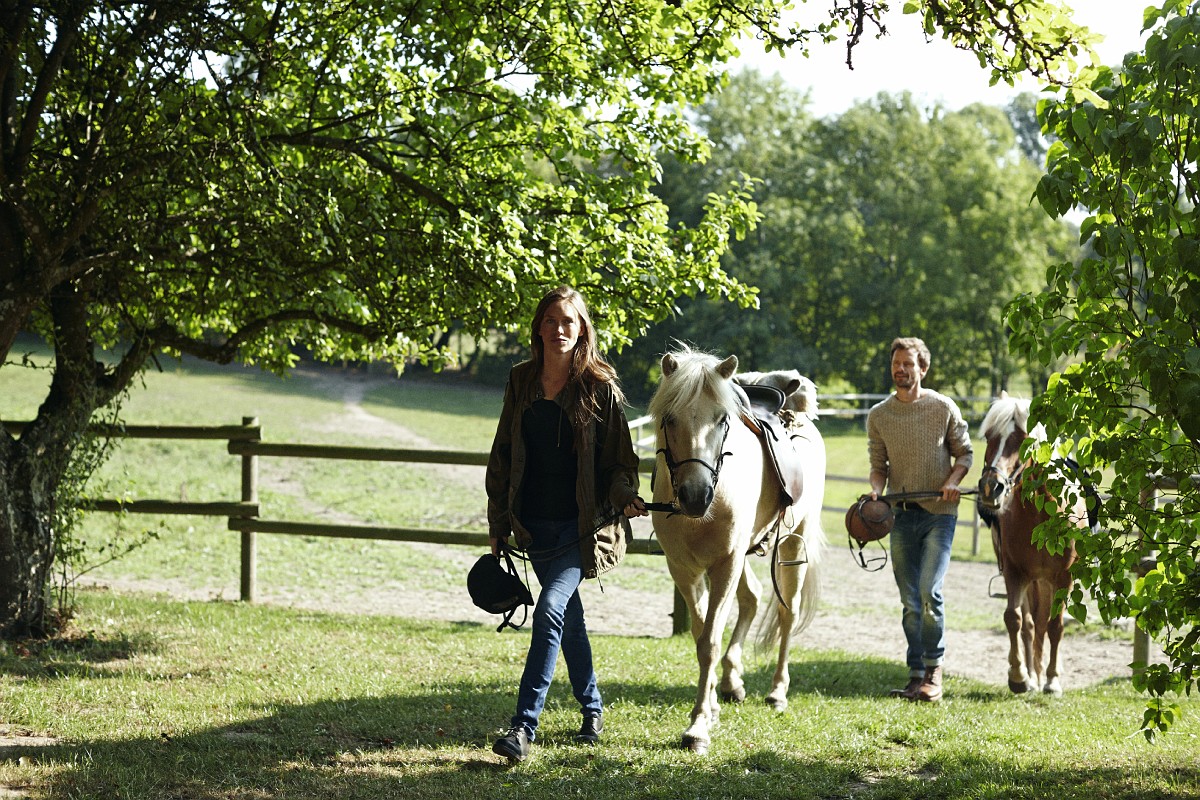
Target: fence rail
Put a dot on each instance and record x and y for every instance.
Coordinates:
(242, 516)
(245, 441)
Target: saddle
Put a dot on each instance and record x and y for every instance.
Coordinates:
(761, 405)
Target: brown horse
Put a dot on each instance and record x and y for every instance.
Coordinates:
(1032, 575)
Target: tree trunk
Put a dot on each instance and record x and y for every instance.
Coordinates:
(33, 466)
(27, 496)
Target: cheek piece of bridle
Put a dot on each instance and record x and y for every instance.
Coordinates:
(673, 508)
(672, 464)
(992, 474)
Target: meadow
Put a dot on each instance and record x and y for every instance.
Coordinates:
(163, 688)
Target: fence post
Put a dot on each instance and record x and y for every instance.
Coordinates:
(974, 529)
(681, 618)
(249, 544)
(1141, 639)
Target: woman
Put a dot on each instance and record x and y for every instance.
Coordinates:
(561, 466)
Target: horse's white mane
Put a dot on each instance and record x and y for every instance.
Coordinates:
(1006, 415)
(695, 376)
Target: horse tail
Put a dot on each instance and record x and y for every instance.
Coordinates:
(769, 626)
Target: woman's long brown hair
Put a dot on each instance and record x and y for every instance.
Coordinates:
(588, 368)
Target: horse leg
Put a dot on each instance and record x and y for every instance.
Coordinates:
(733, 688)
(1055, 630)
(783, 614)
(1040, 610)
(705, 712)
(785, 620)
(1014, 617)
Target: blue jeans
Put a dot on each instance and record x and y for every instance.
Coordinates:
(920, 556)
(557, 623)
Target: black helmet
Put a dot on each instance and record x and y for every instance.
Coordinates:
(496, 588)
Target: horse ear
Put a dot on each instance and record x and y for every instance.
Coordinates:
(1003, 393)
(727, 368)
(669, 364)
(791, 387)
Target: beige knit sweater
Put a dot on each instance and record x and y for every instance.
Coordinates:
(917, 444)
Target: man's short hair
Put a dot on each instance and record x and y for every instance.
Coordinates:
(914, 344)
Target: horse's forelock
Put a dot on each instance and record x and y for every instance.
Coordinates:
(695, 376)
(1006, 415)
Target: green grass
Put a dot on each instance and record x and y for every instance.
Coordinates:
(151, 698)
(200, 554)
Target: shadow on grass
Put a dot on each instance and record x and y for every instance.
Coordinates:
(394, 747)
(74, 653)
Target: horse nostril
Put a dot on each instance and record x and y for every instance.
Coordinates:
(695, 500)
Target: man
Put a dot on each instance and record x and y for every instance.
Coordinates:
(918, 442)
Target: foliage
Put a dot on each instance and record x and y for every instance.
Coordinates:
(886, 220)
(1127, 313)
(240, 181)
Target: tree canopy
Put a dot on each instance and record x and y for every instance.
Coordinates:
(234, 180)
(1127, 317)
(888, 219)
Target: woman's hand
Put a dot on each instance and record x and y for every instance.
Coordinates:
(636, 508)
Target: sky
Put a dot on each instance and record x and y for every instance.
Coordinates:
(933, 71)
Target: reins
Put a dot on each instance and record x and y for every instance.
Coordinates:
(876, 563)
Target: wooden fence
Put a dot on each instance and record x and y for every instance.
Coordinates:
(245, 441)
(244, 515)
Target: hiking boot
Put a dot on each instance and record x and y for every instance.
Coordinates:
(513, 745)
(931, 688)
(909, 692)
(590, 730)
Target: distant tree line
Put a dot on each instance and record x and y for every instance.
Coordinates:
(888, 219)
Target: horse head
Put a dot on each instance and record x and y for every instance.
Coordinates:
(1004, 429)
(694, 406)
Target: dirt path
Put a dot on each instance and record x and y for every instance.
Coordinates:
(859, 612)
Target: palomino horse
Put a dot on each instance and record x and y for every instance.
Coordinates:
(1032, 575)
(729, 503)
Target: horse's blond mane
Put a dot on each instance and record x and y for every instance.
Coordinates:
(695, 376)
(1006, 415)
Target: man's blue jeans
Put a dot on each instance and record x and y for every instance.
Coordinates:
(920, 556)
(557, 623)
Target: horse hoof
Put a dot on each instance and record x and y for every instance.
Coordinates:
(777, 704)
(696, 744)
(1018, 687)
(1052, 689)
(738, 695)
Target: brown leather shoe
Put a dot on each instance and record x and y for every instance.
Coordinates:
(930, 690)
(909, 692)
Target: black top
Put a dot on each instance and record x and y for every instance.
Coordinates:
(548, 491)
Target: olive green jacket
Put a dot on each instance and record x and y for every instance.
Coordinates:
(607, 477)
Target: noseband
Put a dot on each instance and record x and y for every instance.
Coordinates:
(998, 478)
(672, 464)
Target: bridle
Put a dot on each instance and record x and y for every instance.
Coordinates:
(998, 482)
(672, 464)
